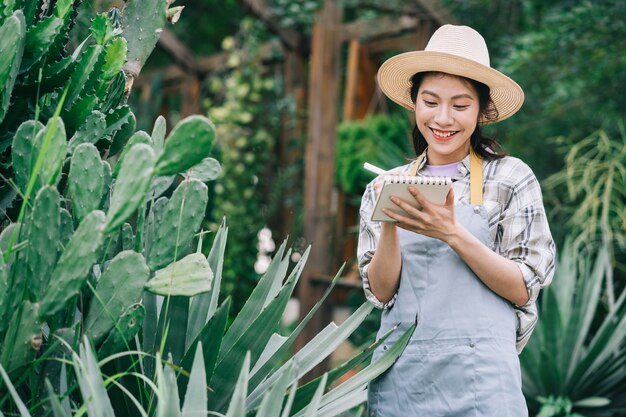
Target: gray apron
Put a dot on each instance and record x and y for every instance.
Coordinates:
(461, 360)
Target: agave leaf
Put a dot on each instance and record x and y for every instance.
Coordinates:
(187, 145)
(131, 186)
(150, 324)
(238, 400)
(18, 401)
(592, 402)
(343, 404)
(305, 392)
(12, 35)
(168, 405)
(57, 408)
(196, 399)
(268, 360)
(273, 399)
(252, 340)
(263, 292)
(211, 337)
(71, 271)
(203, 306)
(90, 382)
(311, 409)
(174, 317)
(4, 285)
(358, 382)
(190, 276)
(322, 345)
(126, 327)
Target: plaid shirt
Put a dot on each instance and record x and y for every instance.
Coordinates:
(517, 222)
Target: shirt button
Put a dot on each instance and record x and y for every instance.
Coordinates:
(384, 347)
(472, 344)
(476, 209)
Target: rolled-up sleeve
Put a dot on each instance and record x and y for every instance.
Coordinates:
(369, 232)
(527, 241)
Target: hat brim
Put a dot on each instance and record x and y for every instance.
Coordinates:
(394, 79)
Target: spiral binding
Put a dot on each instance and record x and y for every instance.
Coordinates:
(409, 179)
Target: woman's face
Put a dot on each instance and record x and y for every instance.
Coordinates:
(446, 113)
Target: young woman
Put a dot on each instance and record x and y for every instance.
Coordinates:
(467, 272)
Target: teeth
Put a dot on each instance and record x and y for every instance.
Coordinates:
(443, 134)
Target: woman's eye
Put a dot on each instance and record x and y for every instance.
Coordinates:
(430, 103)
(461, 106)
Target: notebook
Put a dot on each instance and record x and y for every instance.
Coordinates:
(435, 189)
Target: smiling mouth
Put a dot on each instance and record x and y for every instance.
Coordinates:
(443, 135)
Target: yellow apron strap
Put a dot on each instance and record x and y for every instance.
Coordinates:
(418, 162)
(476, 179)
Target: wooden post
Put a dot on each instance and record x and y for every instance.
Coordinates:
(324, 81)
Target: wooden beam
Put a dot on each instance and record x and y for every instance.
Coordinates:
(292, 39)
(319, 178)
(365, 30)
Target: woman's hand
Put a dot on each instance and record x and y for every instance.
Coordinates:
(433, 220)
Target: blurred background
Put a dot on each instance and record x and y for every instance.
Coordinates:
(290, 86)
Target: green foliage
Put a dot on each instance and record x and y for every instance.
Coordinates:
(571, 360)
(380, 140)
(246, 110)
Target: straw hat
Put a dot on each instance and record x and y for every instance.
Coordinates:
(458, 50)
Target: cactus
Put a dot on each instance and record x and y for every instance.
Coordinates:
(11, 49)
(26, 326)
(132, 184)
(22, 151)
(178, 224)
(71, 271)
(50, 146)
(190, 276)
(119, 287)
(87, 180)
(188, 144)
(43, 235)
(128, 325)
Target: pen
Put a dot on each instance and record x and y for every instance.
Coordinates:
(374, 168)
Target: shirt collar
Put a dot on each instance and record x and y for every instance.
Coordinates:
(463, 167)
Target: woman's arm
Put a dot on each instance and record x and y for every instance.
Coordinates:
(384, 269)
(501, 275)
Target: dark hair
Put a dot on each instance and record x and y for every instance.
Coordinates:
(485, 147)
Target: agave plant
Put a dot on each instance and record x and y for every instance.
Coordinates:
(573, 365)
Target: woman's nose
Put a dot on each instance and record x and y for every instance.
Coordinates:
(443, 116)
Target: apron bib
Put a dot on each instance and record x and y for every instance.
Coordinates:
(461, 360)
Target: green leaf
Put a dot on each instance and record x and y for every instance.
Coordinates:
(187, 145)
(92, 130)
(53, 152)
(273, 399)
(158, 134)
(196, 399)
(39, 39)
(238, 400)
(18, 401)
(179, 222)
(90, 382)
(85, 66)
(120, 126)
(99, 28)
(87, 180)
(71, 271)
(22, 151)
(57, 408)
(27, 340)
(207, 170)
(592, 402)
(137, 137)
(119, 287)
(43, 234)
(114, 58)
(190, 276)
(125, 329)
(168, 400)
(131, 186)
(142, 23)
(311, 409)
(203, 306)
(12, 35)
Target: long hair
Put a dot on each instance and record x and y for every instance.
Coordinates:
(486, 147)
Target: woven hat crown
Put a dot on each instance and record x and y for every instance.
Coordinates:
(461, 41)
